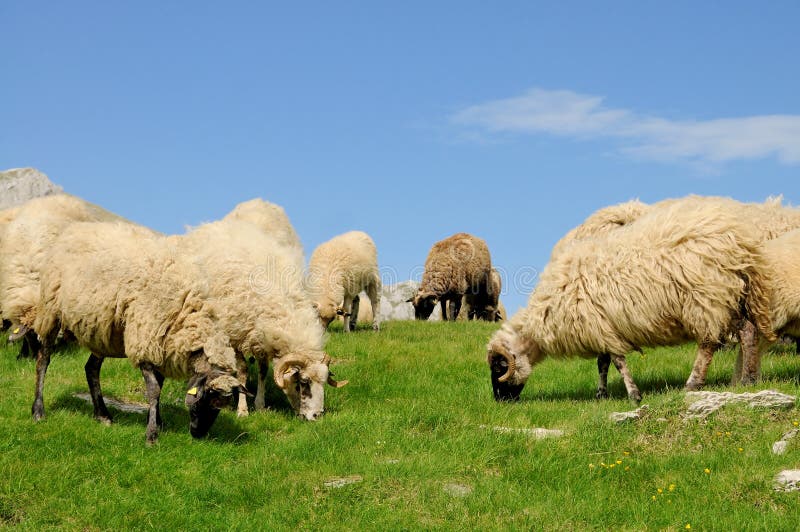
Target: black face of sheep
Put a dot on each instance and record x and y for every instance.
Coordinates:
(423, 306)
(204, 404)
(503, 390)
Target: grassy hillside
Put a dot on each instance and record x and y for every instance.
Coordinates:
(413, 434)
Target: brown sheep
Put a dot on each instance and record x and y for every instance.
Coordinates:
(455, 266)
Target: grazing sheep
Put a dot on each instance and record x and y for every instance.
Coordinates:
(338, 270)
(688, 270)
(781, 254)
(120, 291)
(261, 304)
(602, 222)
(456, 266)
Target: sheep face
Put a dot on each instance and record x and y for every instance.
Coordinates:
(207, 394)
(423, 305)
(303, 382)
(509, 369)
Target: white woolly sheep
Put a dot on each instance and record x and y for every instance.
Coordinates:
(456, 266)
(121, 292)
(261, 304)
(781, 255)
(678, 273)
(338, 270)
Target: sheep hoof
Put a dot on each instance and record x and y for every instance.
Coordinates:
(242, 413)
(107, 421)
(601, 394)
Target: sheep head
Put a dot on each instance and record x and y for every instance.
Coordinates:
(303, 381)
(207, 394)
(424, 303)
(327, 312)
(509, 368)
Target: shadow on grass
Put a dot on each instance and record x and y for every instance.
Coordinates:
(226, 429)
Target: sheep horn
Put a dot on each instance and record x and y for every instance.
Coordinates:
(333, 382)
(512, 365)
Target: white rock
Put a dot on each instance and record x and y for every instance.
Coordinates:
(623, 417)
(705, 403)
(457, 490)
(779, 447)
(18, 185)
(536, 433)
(340, 482)
(788, 480)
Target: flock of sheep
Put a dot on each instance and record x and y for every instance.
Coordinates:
(197, 306)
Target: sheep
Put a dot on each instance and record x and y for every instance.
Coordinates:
(338, 270)
(602, 222)
(257, 288)
(781, 255)
(680, 272)
(120, 291)
(455, 266)
(24, 241)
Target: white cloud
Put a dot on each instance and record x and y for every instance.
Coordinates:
(569, 114)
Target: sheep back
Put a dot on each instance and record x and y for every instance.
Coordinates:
(458, 264)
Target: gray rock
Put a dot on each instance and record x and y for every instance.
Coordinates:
(18, 185)
(624, 417)
(779, 447)
(788, 480)
(704, 403)
(393, 301)
(536, 433)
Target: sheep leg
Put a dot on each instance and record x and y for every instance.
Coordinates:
(160, 380)
(153, 390)
(705, 354)
(603, 362)
(375, 300)
(354, 313)
(748, 361)
(455, 308)
(92, 370)
(622, 366)
(347, 308)
(241, 374)
(42, 361)
(443, 303)
(263, 368)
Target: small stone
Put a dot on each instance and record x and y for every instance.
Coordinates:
(536, 433)
(457, 490)
(705, 403)
(779, 447)
(788, 480)
(624, 417)
(342, 481)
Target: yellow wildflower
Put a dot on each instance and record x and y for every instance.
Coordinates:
(672, 487)
(707, 471)
(660, 490)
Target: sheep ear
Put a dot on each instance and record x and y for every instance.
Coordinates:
(196, 389)
(281, 376)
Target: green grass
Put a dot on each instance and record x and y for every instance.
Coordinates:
(415, 418)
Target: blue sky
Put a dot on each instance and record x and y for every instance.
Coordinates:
(412, 121)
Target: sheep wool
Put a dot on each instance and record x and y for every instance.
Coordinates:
(27, 238)
(338, 270)
(122, 292)
(680, 272)
(271, 219)
(602, 222)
